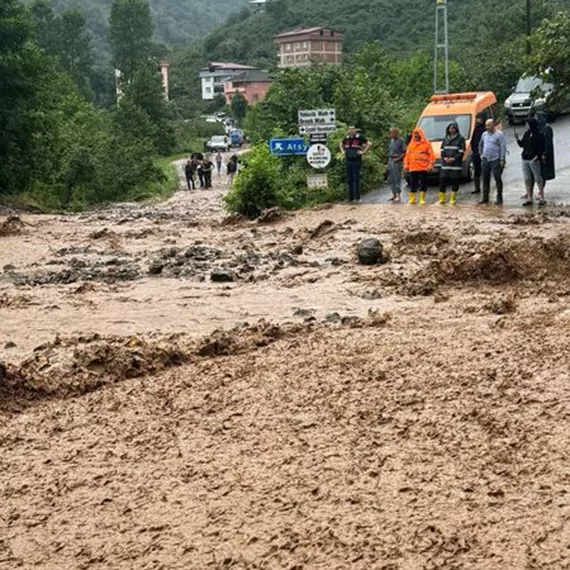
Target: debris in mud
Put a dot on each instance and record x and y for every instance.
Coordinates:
(9, 267)
(234, 219)
(298, 249)
(220, 275)
(270, 215)
(102, 233)
(3, 372)
(503, 305)
(12, 226)
(10, 344)
(370, 251)
(323, 229)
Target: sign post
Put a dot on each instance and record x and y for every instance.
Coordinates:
(319, 156)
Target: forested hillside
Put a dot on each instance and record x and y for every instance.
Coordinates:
(402, 26)
(176, 21)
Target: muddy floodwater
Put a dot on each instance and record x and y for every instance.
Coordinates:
(180, 389)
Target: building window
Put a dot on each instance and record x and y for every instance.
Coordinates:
(255, 97)
(208, 90)
(322, 33)
(305, 45)
(288, 47)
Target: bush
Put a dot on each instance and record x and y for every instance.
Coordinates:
(257, 186)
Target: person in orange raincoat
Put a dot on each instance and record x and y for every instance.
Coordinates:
(419, 160)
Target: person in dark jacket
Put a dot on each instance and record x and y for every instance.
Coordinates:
(207, 169)
(452, 152)
(189, 170)
(532, 144)
(548, 166)
(475, 154)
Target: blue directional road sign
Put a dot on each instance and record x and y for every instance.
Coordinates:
(289, 147)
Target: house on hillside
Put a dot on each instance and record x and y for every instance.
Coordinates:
(253, 84)
(301, 48)
(216, 74)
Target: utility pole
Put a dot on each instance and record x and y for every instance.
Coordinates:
(528, 27)
(441, 46)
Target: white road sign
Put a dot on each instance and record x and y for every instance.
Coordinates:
(316, 129)
(319, 156)
(314, 121)
(315, 181)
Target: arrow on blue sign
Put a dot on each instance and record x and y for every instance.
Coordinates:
(288, 147)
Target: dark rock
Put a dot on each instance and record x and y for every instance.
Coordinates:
(10, 344)
(220, 275)
(332, 318)
(347, 321)
(370, 251)
(9, 267)
(297, 250)
(304, 312)
(3, 372)
(155, 268)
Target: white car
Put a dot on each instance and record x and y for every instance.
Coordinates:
(218, 143)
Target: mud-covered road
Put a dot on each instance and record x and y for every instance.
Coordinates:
(183, 390)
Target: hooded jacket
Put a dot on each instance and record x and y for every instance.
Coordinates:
(419, 155)
(454, 148)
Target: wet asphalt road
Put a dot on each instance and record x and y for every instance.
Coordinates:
(557, 191)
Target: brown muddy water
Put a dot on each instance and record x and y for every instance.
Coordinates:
(182, 390)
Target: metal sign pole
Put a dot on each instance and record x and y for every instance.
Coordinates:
(441, 14)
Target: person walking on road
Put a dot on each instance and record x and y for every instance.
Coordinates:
(418, 162)
(452, 153)
(548, 166)
(232, 168)
(396, 153)
(219, 163)
(207, 168)
(189, 172)
(493, 151)
(354, 146)
(475, 155)
(532, 144)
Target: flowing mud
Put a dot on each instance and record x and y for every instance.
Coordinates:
(182, 389)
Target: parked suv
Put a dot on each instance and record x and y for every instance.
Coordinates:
(531, 94)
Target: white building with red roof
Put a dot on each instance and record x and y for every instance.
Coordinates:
(216, 74)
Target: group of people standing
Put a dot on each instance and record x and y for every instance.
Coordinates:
(203, 167)
(416, 160)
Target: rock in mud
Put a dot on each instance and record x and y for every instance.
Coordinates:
(220, 275)
(370, 252)
(9, 345)
(3, 372)
(12, 226)
(155, 268)
(297, 250)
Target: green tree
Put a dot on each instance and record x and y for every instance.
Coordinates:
(551, 54)
(239, 106)
(74, 48)
(130, 32)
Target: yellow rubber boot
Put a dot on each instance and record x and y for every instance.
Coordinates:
(442, 197)
(412, 198)
(423, 196)
(453, 199)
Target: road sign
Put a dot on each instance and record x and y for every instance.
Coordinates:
(317, 129)
(318, 138)
(288, 147)
(319, 156)
(317, 121)
(317, 181)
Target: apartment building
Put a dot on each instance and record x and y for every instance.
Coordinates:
(309, 46)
